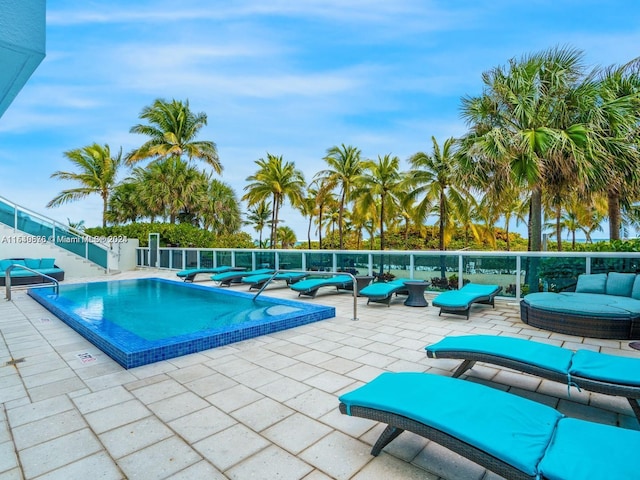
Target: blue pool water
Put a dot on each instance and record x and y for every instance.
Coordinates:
(137, 322)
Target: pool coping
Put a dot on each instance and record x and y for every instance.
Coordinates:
(130, 350)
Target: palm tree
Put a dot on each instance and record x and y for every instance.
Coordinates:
(276, 179)
(345, 167)
(219, 208)
(172, 128)
(379, 185)
(308, 208)
(435, 178)
(528, 119)
(97, 173)
(324, 200)
(259, 216)
(286, 237)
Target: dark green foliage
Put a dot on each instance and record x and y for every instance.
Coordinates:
(182, 235)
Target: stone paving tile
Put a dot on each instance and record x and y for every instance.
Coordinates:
(231, 446)
(8, 460)
(262, 414)
(47, 428)
(443, 462)
(234, 398)
(116, 415)
(201, 470)
(209, 385)
(159, 460)
(177, 406)
(38, 410)
(324, 455)
(48, 456)
(283, 389)
(272, 462)
(158, 391)
(296, 432)
(133, 436)
(387, 467)
(313, 403)
(202, 424)
(100, 464)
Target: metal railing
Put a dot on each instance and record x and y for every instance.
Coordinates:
(56, 284)
(518, 273)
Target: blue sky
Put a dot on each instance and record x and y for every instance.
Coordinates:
(291, 78)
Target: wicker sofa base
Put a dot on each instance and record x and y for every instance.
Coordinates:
(616, 328)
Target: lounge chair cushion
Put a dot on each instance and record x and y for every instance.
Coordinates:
(635, 291)
(313, 283)
(620, 284)
(511, 428)
(585, 304)
(595, 283)
(234, 274)
(606, 368)
(578, 449)
(465, 296)
(4, 264)
(539, 354)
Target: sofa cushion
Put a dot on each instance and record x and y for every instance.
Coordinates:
(32, 262)
(4, 264)
(620, 284)
(47, 262)
(595, 283)
(635, 291)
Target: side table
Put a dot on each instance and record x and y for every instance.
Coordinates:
(416, 290)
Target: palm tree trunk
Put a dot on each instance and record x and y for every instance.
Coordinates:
(442, 220)
(105, 204)
(614, 215)
(535, 220)
(382, 222)
(320, 228)
(309, 232)
(559, 227)
(340, 217)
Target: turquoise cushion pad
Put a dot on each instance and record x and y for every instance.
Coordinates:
(581, 449)
(227, 275)
(595, 283)
(583, 363)
(465, 296)
(266, 276)
(514, 429)
(312, 283)
(587, 304)
(192, 271)
(620, 284)
(381, 289)
(545, 356)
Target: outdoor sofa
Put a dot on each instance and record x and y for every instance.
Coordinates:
(21, 276)
(510, 435)
(602, 306)
(583, 369)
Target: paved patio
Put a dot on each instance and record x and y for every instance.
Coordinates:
(265, 408)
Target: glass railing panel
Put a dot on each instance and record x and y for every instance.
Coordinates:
(97, 255)
(176, 259)
(265, 259)
(223, 258)
(354, 263)
(290, 261)
(550, 274)
(33, 226)
(490, 270)
(317, 261)
(163, 261)
(206, 258)
(610, 264)
(7, 214)
(70, 242)
(392, 264)
(244, 259)
(191, 259)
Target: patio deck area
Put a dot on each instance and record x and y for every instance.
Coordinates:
(263, 408)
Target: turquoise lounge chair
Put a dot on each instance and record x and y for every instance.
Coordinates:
(512, 436)
(258, 281)
(459, 302)
(382, 292)
(583, 369)
(189, 275)
(227, 278)
(310, 286)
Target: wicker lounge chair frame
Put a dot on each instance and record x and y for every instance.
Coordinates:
(469, 359)
(341, 282)
(396, 424)
(485, 299)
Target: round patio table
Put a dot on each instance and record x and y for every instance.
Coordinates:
(416, 290)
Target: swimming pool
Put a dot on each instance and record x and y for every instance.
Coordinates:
(142, 321)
